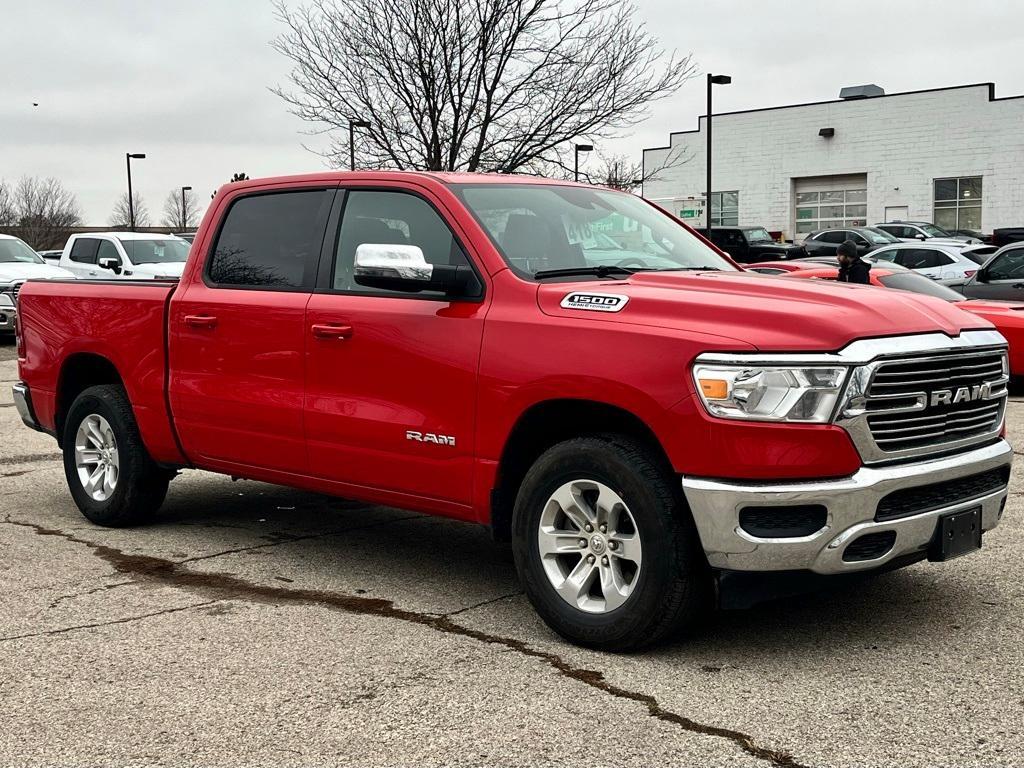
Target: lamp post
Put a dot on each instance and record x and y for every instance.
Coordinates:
(352, 125)
(184, 210)
(128, 157)
(580, 148)
(712, 81)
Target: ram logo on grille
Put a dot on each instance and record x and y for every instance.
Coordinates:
(960, 395)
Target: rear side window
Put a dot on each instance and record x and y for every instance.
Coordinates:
(84, 250)
(923, 258)
(834, 236)
(271, 241)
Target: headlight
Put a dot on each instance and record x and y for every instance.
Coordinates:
(5, 300)
(770, 392)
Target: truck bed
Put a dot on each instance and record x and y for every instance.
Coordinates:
(67, 324)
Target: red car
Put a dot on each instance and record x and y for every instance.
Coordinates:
(1006, 316)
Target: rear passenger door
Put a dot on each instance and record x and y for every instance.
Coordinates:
(391, 377)
(926, 261)
(238, 333)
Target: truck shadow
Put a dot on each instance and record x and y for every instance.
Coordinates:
(442, 567)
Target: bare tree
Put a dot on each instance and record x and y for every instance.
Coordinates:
(121, 215)
(181, 210)
(7, 213)
(240, 176)
(619, 172)
(44, 211)
(468, 85)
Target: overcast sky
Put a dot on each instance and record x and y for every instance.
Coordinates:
(186, 81)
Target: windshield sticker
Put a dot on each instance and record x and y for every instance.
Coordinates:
(595, 302)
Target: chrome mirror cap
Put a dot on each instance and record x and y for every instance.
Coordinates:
(404, 262)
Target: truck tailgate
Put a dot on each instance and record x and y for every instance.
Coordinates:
(64, 324)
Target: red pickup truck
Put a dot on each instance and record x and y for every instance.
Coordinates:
(566, 364)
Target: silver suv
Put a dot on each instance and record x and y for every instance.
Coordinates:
(923, 230)
(946, 263)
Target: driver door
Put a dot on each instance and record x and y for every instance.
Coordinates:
(1004, 278)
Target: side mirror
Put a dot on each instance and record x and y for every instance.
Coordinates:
(919, 236)
(981, 275)
(396, 267)
(113, 263)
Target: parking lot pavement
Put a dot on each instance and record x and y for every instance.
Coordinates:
(253, 624)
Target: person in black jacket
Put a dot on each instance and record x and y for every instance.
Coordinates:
(852, 268)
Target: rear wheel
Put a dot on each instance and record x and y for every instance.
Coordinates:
(112, 477)
(605, 548)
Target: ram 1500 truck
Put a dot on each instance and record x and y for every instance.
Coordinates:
(566, 364)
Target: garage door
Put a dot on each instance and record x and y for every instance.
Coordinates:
(822, 202)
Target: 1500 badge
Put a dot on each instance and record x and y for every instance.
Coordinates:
(595, 302)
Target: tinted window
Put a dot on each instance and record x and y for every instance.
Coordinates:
(923, 258)
(858, 239)
(84, 250)
(107, 250)
(886, 254)
(391, 218)
(1008, 266)
(833, 236)
(271, 241)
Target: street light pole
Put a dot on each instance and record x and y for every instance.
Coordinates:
(184, 210)
(580, 148)
(712, 81)
(128, 157)
(352, 125)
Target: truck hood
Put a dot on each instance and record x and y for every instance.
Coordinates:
(11, 270)
(772, 313)
(166, 268)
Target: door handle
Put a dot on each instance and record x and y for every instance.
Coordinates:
(332, 331)
(201, 321)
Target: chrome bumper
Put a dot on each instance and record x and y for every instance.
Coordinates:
(851, 503)
(23, 402)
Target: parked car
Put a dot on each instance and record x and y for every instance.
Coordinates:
(19, 263)
(781, 267)
(51, 257)
(972, 234)
(827, 241)
(1006, 316)
(909, 231)
(188, 237)
(751, 244)
(1007, 235)
(1001, 277)
(445, 343)
(948, 264)
(125, 255)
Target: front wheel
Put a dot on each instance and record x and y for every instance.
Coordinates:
(605, 547)
(110, 474)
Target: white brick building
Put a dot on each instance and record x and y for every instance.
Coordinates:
(927, 155)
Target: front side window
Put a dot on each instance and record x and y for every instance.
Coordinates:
(758, 235)
(888, 254)
(13, 250)
(271, 241)
(163, 251)
(1007, 266)
(880, 236)
(393, 218)
(835, 236)
(107, 250)
(958, 203)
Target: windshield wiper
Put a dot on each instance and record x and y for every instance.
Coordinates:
(602, 270)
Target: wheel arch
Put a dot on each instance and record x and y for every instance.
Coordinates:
(547, 423)
(78, 372)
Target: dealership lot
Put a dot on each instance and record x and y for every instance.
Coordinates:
(257, 624)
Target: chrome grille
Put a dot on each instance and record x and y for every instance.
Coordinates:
(13, 291)
(923, 404)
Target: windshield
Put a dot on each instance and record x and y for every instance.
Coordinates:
(156, 251)
(758, 235)
(547, 227)
(934, 231)
(910, 281)
(17, 250)
(878, 236)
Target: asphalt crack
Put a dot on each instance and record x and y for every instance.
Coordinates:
(217, 587)
(109, 623)
(30, 458)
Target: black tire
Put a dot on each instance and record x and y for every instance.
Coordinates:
(673, 589)
(141, 485)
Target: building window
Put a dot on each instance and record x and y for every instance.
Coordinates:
(958, 203)
(824, 210)
(725, 209)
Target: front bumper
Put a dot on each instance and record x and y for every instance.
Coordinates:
(851, 504)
